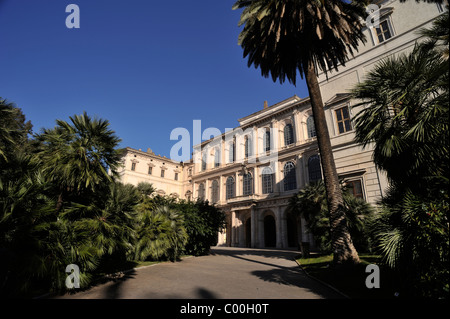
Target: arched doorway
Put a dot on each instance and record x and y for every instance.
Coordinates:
(292, 232)
(270, 237)
(248, 232)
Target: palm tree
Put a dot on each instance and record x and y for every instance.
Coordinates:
(5, 133)
(282, 37)
(405, 102)
(160, 234)
(311, 204)
(146, 189)
(405, 114)
(77, 156)
(438, 35)
(13, 129)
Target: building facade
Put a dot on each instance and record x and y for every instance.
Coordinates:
(252, 171)
(166, 176)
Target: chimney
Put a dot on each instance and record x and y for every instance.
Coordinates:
(265, 105)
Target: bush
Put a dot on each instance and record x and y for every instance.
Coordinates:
(311, 203)
(413, 238)
(203, 222)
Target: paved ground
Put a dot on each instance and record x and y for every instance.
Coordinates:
(236, 273)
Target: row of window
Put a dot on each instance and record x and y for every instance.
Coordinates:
(354, 186)
(150, 171)
(289, 181)
(342, 121)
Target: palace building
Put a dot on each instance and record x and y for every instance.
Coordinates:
(252, 171)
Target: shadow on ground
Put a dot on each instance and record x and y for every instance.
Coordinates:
(283, 275)
(111, 285)
(268, 253)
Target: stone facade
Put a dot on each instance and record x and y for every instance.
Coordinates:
(252, 171)
(167, 176)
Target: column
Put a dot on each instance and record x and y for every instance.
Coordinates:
(194, 191)
(279, 243)
(278, 177)
(299, 172)
(284, 239)
(257, 181)
(297, 126)
(233, 229)
(241, 230)
(222, 189)
(223, 156)
(276, 135)
(237, 184)
(255, 142)
(208, 190)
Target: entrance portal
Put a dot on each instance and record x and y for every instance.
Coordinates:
(270, 238)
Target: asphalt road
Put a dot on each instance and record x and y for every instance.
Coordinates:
(227, 273)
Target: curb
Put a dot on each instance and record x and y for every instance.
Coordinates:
(320, 281)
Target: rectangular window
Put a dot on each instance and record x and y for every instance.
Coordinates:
(217, 159)
(150, 170)
(355, 188)
(231, 153)
(162, 173)
(133, 166)
(176, 176)
(267, 183)
(383, 31)
(247, 188)
(343, 120)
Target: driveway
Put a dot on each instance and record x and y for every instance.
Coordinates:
(227, 273)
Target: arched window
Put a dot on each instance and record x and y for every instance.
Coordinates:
(267, 180)
(217, 158)
(248, 147)
(266, 140)
(288, 134)
(247, 186)
(201, 191)
(204, 161)
(215, 191)
(290, 178)
(230, 187)
(314, 170)
(310, 126)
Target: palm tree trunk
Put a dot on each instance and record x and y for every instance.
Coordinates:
(342, 244)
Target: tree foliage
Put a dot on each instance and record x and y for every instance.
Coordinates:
(203, 221)
(287, 37)
(405, 113)
(61, 204)
(311, 204)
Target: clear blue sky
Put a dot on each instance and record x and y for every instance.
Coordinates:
(146, 66)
